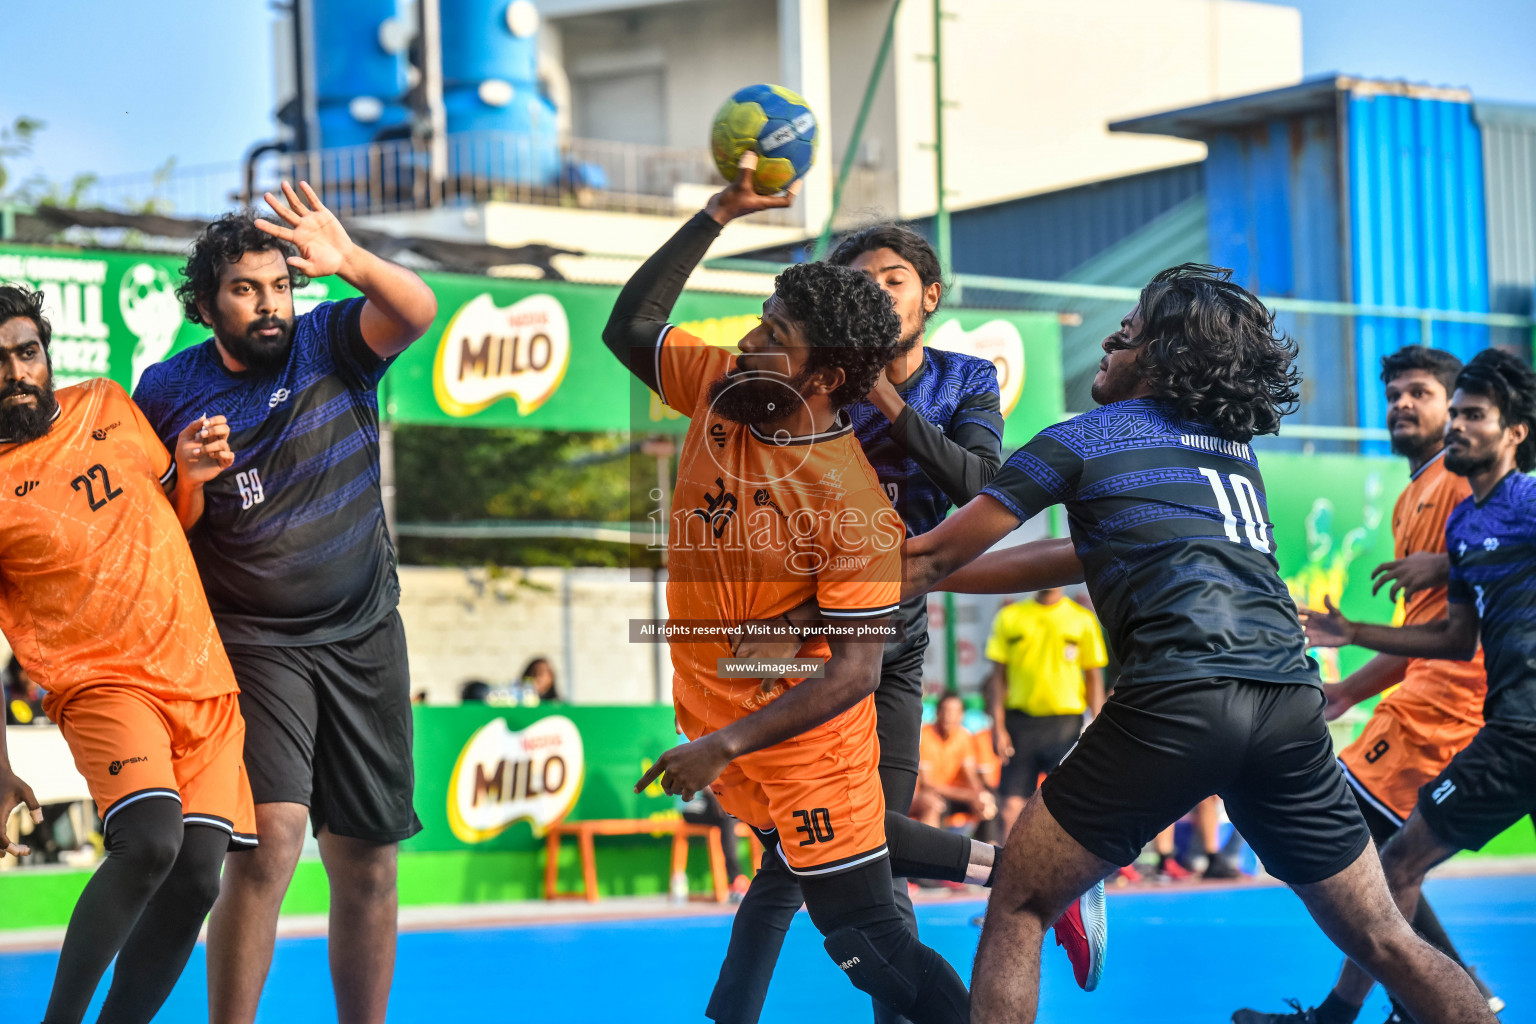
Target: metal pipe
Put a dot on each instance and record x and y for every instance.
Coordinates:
(850, 153)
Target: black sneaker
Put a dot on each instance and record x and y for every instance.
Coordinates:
(1219, 868)
(1296, 1016)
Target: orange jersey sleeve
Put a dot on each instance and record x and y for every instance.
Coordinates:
(686, 367)
(1456, 688)
(1418, 524)
(97, 584)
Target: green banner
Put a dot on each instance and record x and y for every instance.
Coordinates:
(502, 353)
(1333, 525)
(490, 778)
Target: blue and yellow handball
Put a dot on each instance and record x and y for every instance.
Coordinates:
(774, 121)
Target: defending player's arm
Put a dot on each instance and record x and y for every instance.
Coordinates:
(962, 461)
(12, 792)
(1041, 474)
(1037, 565)
(1376, 675)
(852, 673)
(399, 307)
(1453, 637)
(640, 314)
(202, 453)
(1422, 570)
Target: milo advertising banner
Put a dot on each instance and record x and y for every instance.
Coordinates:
(490, 778)
(502, 353)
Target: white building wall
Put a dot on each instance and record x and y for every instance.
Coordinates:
(463, 624)
(1036, 81)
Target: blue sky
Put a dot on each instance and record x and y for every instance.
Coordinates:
(123, 86)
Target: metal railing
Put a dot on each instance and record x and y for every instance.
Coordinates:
(475, 167)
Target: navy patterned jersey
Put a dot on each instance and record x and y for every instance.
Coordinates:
(292, 546)
(1493, 566)
(1172, 526)
(956, 393)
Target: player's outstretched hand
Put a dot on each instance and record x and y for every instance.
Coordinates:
(12, 792)
(687, 768)
(1422, 570)
(324, 245)
(202, 450)
(1328, 628)
(1339, 700)
(740, 197)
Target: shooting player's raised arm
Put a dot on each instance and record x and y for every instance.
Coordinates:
(638, 322)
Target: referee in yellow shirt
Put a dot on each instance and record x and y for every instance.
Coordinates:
(1048, 658)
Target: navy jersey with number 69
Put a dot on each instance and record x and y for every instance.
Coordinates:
(1172, 526)
(292, 546)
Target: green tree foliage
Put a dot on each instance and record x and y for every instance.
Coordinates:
(458, 474)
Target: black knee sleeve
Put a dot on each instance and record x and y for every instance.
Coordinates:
(145, 838)
(887, 961)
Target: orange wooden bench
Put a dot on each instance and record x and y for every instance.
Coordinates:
(680, 831)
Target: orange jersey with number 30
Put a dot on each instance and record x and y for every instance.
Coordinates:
(761, 524)
(97, 584)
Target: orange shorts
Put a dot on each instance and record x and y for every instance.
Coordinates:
(820, 791)
(131, 745)
(1403, 746)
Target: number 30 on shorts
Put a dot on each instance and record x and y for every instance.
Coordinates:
(816, 824)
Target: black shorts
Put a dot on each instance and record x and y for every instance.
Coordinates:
(330, 727)
(1158, 749)
(1039, 744)
(899, 700)
(1487, 787)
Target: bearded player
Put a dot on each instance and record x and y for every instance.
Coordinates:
(1490, 539)
(100, 599)
(775, 505)
(299, 569)
(1437, 705)
(1216, 695)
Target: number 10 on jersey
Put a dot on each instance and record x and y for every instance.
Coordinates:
(251, 493)
(1247, 504)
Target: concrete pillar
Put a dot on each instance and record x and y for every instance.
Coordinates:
(805, 66)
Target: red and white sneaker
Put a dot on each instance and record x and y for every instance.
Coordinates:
(1083, 931)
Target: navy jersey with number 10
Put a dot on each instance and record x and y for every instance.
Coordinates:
(1172, 526)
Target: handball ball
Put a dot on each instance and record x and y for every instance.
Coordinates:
(775, 122)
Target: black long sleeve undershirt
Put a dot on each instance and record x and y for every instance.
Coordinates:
(963, 461)
(646, 300)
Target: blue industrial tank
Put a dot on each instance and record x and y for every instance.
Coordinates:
(500, 123)
(360, 68)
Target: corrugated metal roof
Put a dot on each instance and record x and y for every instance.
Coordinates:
(1509, 175)
(1045, 236)
(1178, 236)
(1417, 227)
(1312, 96)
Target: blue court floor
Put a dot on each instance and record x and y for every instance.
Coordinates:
(1181, 955)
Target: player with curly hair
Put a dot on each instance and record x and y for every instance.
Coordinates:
(775, 505)
(299, 569)
(1490, 538)
(1216, 694)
